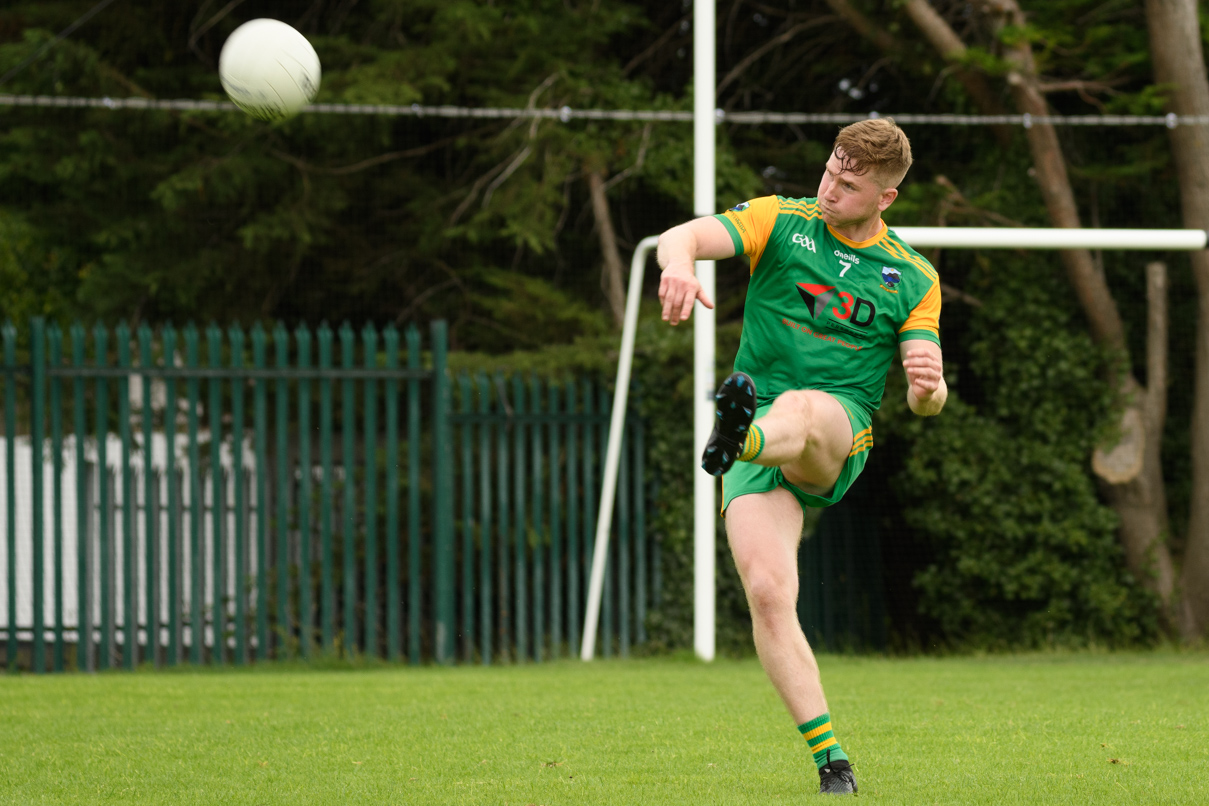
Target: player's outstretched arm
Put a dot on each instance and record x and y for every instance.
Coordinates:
(699, 239)
(926, 388)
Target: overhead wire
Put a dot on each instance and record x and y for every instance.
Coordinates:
(567, 114)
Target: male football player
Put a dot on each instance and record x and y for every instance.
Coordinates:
(833, 296)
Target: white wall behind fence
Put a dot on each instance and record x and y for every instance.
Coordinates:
(70, 541)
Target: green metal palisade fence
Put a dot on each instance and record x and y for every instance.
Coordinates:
(270, 502)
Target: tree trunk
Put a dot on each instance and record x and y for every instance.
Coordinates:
(950, 47)
(1139, 501)
(1138, 497)
(1179, 62)
(613, 270)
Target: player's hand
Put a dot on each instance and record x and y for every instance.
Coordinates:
(924, 373)
(678, 289)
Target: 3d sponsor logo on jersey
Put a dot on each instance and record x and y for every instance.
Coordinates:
(854, 310)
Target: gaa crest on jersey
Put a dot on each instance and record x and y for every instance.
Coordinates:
(891, 278)
(738, 208)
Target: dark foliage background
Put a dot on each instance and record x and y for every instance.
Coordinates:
(994, 534)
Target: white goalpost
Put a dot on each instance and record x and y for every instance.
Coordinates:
(704, 514)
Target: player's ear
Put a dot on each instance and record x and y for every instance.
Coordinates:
(887, 198)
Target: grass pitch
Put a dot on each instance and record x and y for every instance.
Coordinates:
(1023, 729)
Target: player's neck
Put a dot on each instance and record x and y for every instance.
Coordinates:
(860, 231)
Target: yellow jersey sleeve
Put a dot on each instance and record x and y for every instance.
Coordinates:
(750, 225)
(924, 321)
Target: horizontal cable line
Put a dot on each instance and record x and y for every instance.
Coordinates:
(567, 114)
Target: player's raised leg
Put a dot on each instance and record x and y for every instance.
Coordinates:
(807, 434)
(764, 530)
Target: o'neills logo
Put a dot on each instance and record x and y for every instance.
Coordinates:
(855, 310)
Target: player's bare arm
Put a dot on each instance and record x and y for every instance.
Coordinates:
(679, 247)
(924, 367)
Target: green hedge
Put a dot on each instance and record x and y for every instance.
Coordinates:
(1024, 552)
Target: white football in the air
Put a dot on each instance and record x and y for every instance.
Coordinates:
(269, 69)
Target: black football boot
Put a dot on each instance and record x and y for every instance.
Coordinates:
(736, 399)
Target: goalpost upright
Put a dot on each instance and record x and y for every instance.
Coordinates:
(704, 145)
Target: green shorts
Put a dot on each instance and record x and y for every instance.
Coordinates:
(745, 478)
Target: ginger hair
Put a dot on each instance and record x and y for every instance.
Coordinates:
(875, 146)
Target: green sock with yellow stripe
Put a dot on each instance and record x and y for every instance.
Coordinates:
(753, 444)
(823, 744)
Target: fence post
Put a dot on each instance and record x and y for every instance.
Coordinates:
(170, 473)
(556, 628)
(326, 494)
(218, 608)
(130, 625)
(111, 519)
(348, 423)
(37, 427)
(413, 497)
(442, 495)
(609, 596)
(260, 418)
(348, 429)
(10, 445)
(235, 337)
(467, 518)
(589, 489)
(281, 340)
(503, 517)
(538, 518)
(640, 542)
(520, 535)
(55, 343)
(369, 340)
(484, 520)
(150, 541)
(104, 536)
(306, 619)
(573, 572)
(84, 655)
(197, 554)
(390, 341)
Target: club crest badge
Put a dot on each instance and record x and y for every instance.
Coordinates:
(738, 208)
(891, 278)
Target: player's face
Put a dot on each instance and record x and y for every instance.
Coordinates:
(847, 199)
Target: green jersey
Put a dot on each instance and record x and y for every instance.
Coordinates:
(822, 311)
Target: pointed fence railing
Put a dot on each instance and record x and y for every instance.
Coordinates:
(285, 494)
